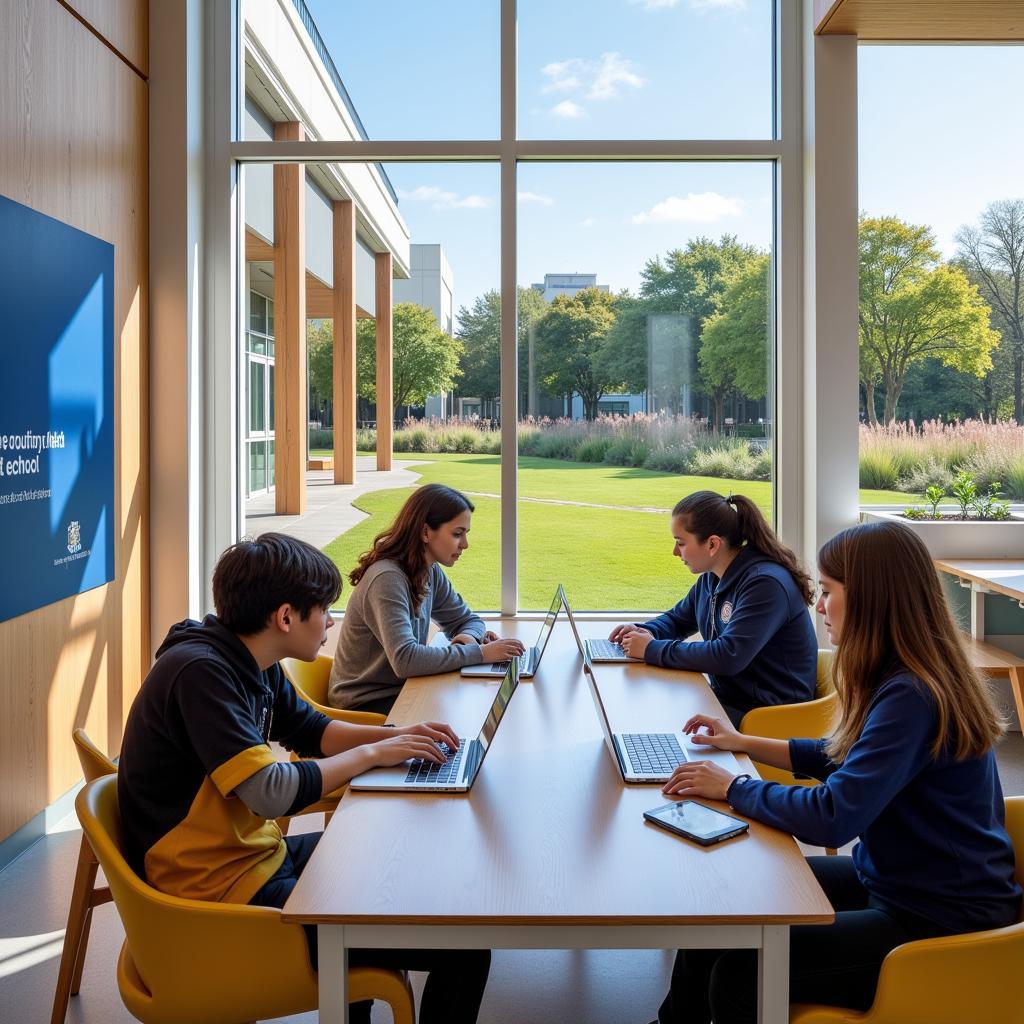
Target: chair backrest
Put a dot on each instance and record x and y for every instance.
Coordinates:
(95, 764)
(310, 678)
(191, 960)
(823, 683)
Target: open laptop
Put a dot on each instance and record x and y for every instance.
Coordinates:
(529, 660)
(457, 774)
(596, 650)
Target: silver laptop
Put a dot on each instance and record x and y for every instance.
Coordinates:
(529, 660)
(596, 650)
(650, 756)
(457, 774)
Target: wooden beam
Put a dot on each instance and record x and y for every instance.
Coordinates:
(257, 250)
(290, 390)
(385, 361)
(319, 298)
(915, 20)
(344, 312)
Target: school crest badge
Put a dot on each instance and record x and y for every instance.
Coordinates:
(727, 611)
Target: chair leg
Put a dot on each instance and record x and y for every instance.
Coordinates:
(1018, 693)
(76, 933)
(76, 978)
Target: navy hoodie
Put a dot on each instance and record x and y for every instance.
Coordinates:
(932, 835)
(759, 646)
(200, 726)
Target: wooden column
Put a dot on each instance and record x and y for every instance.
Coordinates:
(385, 391)
(344, 342)
(291, 388)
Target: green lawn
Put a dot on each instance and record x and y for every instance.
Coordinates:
(606, 557)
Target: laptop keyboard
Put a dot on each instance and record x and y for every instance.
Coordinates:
(502, 666)
(653, 753)
(605, 649)
(429, 772)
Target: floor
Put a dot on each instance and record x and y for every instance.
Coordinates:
(603, 987)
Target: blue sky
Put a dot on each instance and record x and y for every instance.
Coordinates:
(938, 136)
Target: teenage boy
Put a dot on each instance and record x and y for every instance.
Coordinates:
(198, 785)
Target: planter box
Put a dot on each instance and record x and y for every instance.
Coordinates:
(958, 538)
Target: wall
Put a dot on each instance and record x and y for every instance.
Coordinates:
(73, 117)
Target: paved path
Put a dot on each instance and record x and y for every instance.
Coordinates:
(329, 508)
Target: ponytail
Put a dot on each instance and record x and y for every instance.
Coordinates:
(738, 521)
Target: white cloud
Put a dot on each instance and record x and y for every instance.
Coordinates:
(567, 109)
(443, 200)
(535, 197)
(599, 79)
(588, 222)
(700, 207)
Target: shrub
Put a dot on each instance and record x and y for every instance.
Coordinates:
(593, 450)
(877, 470)
(673, 459)
(627, 451)
(319, 438)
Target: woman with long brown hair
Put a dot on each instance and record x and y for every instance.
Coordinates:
(749, 603)
(909, 769)
(399, 588)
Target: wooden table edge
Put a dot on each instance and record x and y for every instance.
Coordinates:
(476, 920)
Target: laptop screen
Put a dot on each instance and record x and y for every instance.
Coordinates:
(549, 622)
(505, 690)
(602, 716)
(575, 632)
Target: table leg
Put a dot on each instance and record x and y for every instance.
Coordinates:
(773, 975)
(333, 959)
(977, 612)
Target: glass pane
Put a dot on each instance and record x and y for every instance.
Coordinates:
(442, 233)
(644, 372)
(270, 326)
(257, 344)
(270, 463)
(257, 397)
(412, 70)
(257, 312)
(257, 465)
(929, 411)
(646, 69)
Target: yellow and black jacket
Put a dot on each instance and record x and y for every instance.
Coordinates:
(199, 727)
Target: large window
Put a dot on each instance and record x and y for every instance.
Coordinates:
(611, 304)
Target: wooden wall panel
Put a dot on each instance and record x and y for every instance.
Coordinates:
(124, 24)
(74, 121)
(911, 20)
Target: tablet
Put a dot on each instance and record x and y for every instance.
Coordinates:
(702, 824)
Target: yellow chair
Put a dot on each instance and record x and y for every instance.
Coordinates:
(812, 719)
(311, 680)
(205, 962)
(85, 893)
(951, 980)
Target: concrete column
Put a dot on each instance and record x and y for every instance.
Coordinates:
(344, 342)
(385, 365)
(291, 418)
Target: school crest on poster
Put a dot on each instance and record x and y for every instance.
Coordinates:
(74, 537)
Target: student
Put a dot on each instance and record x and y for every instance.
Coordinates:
(909, 769)
(400, 587)
(749, 603)
(198, 785)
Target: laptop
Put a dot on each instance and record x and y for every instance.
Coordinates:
(596, 650)
(529, 660)
(651, 756)
(457, 774)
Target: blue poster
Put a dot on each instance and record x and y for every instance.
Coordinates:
(56, 410)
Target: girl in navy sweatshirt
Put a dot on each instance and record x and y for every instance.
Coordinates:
(749, 603)
(909, 770)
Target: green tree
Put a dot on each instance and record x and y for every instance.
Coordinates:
(480, 333)
(992, 255)
(571, 349)
(734, 346)
(425, 359)
(320, 357)
(911, 307)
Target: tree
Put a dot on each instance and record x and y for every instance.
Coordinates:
(480, 333)
(320, 356)
(913, 307)
(993, 257)
(571, 348)
(425, 359)
(734, 346)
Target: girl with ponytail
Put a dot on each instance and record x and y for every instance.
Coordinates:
(749, 604)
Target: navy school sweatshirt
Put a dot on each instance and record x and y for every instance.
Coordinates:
(759, 646)
(931, 829)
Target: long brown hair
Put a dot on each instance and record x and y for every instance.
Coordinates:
(738, 521)
(430, 505)
(897, 618)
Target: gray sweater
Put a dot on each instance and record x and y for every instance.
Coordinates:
(383, 639)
